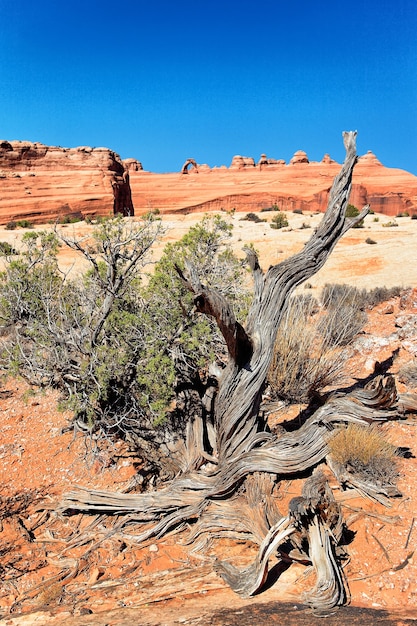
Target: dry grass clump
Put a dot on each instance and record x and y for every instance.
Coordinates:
(339, 326)
(363, 450)
(302, 364)
(335, 295)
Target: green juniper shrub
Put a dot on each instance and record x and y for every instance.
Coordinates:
(352, 211)
(279, 221)
(24, 224)
(108, 339)
(193, 338)
(7, 250)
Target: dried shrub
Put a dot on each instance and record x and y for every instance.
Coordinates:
(363, 450)
(345, 316)
(380, 294)
(339, 326)
(370, 240)
(302, 365)
(335, 295)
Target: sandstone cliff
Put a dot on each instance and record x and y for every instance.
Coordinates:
(250, 186)
(42, 183)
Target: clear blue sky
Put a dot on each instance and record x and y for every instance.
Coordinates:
(164, 80)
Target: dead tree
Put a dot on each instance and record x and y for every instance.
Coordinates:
(231, 463)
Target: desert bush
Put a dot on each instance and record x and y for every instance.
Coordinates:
(352, 211)
(334, 294)
(403, 214)
(390, 224)
(6, 249)
(274, 207)
(24, 224)
(364, 451)
(370, 240)
(414, 216)
(306, 304)
(372, 297)
(70, 219)
(345, 316)
(408, 374)
(279, 221)
(29, 282)
(107, 340)
(252, 217)
(176, 330)
(11, 225)
(298, 211)
(76, 333)
(340, 326)
(302, 364)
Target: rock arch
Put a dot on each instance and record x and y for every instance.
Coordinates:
(189, 163)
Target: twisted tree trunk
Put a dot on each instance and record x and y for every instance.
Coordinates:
(218, 458)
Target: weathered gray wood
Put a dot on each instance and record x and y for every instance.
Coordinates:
(240, 443)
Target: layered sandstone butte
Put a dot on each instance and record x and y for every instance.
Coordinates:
(250, 186)
(41, 183)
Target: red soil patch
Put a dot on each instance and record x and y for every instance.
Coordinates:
(46, 572)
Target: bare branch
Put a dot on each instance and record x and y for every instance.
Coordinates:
(212, 303)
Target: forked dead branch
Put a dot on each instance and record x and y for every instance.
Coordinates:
(230, 460)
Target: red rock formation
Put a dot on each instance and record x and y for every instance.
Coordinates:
(302, 186)
(240, 162)
(299, 157)
(132, 165)
(264, 161)
(42, 183)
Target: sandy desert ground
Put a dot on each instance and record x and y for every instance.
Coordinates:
(46, 581)
(391, 260)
